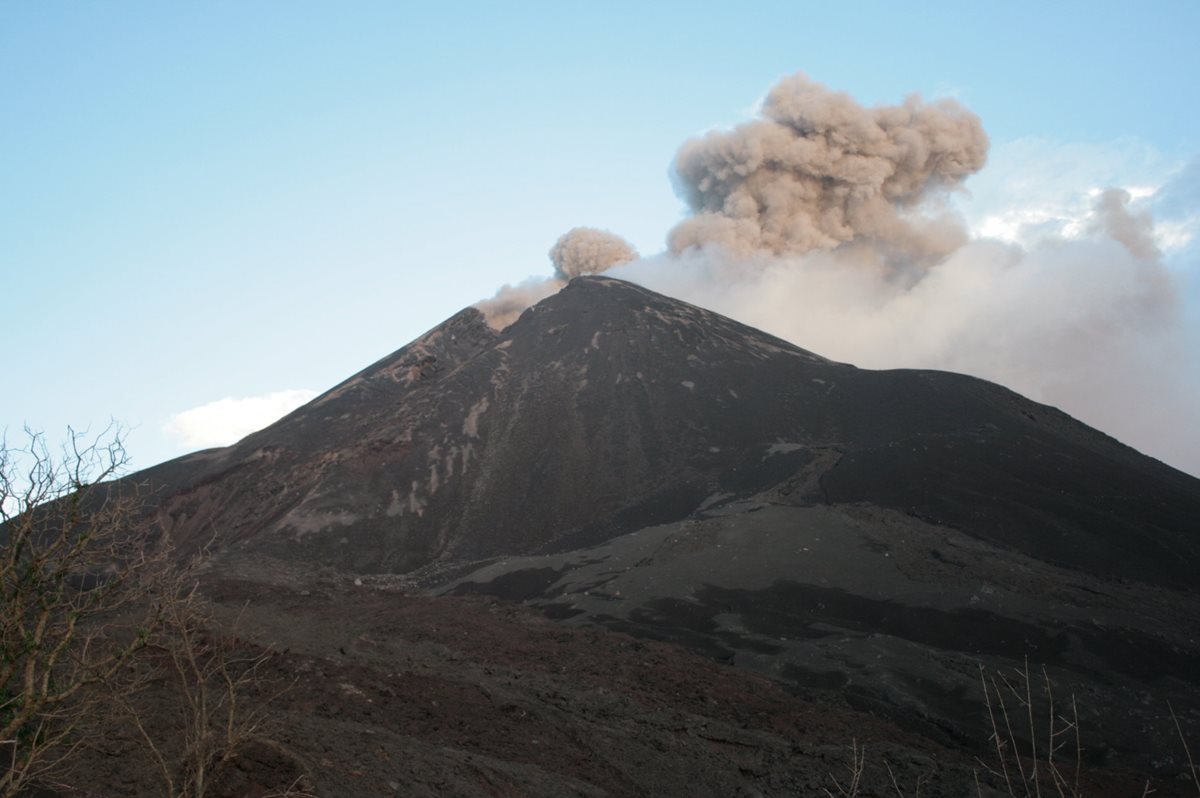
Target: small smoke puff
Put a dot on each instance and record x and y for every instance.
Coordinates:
(582, 250)
(585, 250)
(819, 171)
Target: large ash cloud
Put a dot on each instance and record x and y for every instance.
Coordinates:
(1091, 324)
(827, 223)
(819, 171)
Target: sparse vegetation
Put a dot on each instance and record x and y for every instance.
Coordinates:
(1042, 765)
(217, 691)
(858, 758)
(75, 597)
(94, 616)
(1038, 746)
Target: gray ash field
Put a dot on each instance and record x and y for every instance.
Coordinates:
(788, 536)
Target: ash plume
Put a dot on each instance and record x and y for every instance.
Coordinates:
(579, 251)
(586, 250)
(1090, 324)
(826, 223)
(819, 171)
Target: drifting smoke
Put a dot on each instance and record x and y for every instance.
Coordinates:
(819, 171)
(825, 223)
(1134, 231)
(585, 250)
(511, 300)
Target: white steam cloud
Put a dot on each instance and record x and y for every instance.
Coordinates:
(228, 420)
(826, 223)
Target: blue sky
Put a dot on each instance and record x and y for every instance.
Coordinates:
(232, 200)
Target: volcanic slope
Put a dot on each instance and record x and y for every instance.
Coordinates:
(620, 458)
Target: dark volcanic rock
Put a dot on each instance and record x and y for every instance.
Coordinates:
(864, 537)
(607, 408)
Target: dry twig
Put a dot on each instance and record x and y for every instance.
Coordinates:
(858, 756)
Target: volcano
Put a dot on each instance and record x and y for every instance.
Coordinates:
(608, 408)
(621, 461)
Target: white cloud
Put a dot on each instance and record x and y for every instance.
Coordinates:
(1036, 189)
(228, 420)
(948, 91)
(1176, 208)
(1176, 235)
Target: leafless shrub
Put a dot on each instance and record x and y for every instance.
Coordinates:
(858, 758)
(75, 579)
(1050, 764)
(218, 692)
(97, 619)
(1009, 698)
(896, 783)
